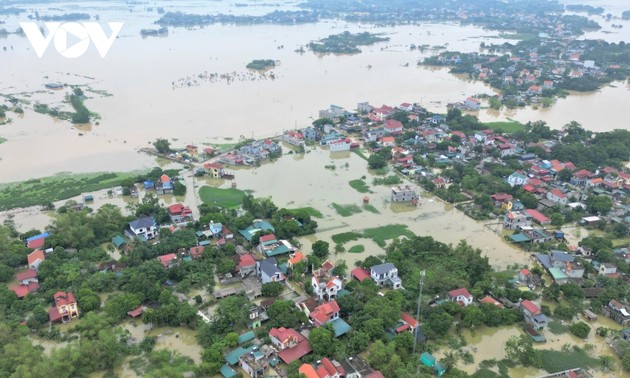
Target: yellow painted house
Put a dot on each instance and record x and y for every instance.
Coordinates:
(65, 308)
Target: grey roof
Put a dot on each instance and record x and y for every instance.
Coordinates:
(269, 267)
(544, 259)
(383, 268)
(144, 222)
(561, 256)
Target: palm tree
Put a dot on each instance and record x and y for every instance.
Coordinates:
(449, 360)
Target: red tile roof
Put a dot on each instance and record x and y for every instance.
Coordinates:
(22, 290)
(328, 266)
(26, 275)
(297, 257)
(266, 238)
(166, 259)
(324, 313)
(538, 216)
(461, 291)
(360, 273)
(308, 371)
(376, 374)
(165, 179)
(402, 328)
(289, 355)
(62, 298)
(37, 243)
(393, 124)
(409, 319)
(525, 272)
(558, 193)
(490, 300)
(530, 306)
(176, 208)
(387, 139)
(196, 251)
(246, 261)
(137, 312)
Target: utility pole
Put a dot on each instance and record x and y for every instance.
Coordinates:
(415, 334)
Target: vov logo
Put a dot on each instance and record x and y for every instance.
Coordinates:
(83, 33)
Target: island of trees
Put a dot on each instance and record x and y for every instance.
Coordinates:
(345, 43)
(261, 64)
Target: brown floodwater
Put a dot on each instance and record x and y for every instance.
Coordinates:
(137, 102)
(306, 182)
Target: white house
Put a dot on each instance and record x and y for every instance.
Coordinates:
(461, 296)
(143, 227)
(386, 275)
(607, 268)
(294, 138)
(556, 196)
(340, 145)
(472, 103)
(326, 290)
(268, 271)
(517, 179)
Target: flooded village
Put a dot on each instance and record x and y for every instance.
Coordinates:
(408, 227)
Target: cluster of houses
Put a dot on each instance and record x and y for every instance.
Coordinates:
(64, 307)
(530, 71)
(252, 153)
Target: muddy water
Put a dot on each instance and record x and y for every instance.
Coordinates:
(144, 105)
(306, 182)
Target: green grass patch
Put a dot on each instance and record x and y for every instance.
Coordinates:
(313, 212)
(2, 140)
(345, 237)
(505, 126)
(370, 208)
(230, 197)
(346, 210)
(380, 234)
(357, 248)
(555, 360)
(59, 187)
(359, 185)
(360, 152)
(557, 328)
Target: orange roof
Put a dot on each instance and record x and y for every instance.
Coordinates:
(409, 320)
(36, 255)
(165, 178)
(597, 180)
(297, 257)
(308, 371)
(387, 139)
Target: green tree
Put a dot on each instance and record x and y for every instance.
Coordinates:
(321, 249)
(285, 314)
(598, 204)
(520, 349)
(529, 200)
(88, 300)
(376, 161)
(323, 341)
(580, 329)
(162, 145)
(272, 289)
(557, 219)
(472, 316)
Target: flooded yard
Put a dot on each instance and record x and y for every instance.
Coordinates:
(319, 188)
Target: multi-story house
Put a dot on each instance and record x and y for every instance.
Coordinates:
(533, 314)
(386, 274)
(143, 227)
(64, 309)
(515, 220)
(326, 289)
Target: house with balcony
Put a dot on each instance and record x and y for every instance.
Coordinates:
(290, 344)
(64, 309)
(268, 271)
(326, 289)
(533, 314)
(143, 227)
(404, 193)
(254, 363)
(556, 196)
(328, 313)
(515, 220)
(386, 274)
(618, 312)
